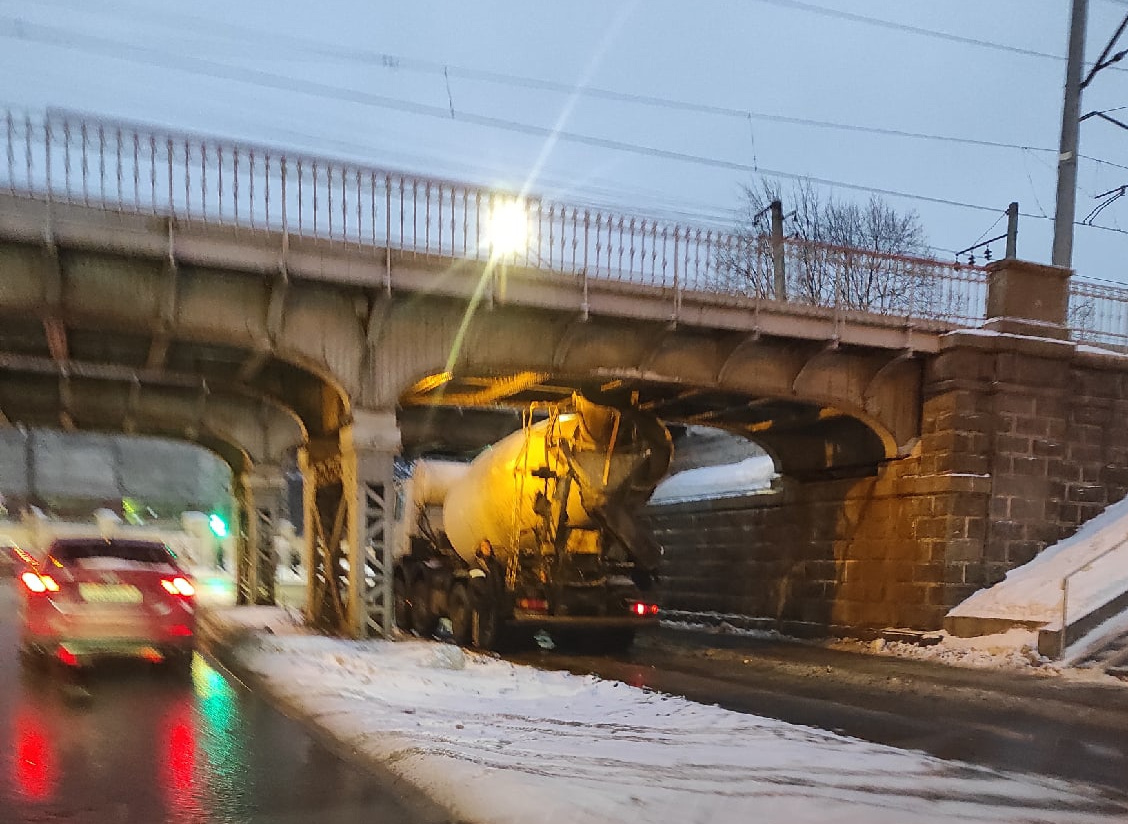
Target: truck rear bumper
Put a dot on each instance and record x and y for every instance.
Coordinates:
(537, 619)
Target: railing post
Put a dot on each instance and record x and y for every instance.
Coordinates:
(47, 159)
(587, 226)
(168, 159)
(677, 281)
(1064, 605)
(388, 238)
(282, 184)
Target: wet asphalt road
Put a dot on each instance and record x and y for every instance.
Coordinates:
(126, 743)
(1005, 720)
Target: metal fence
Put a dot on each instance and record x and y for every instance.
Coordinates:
(1098, 314)
(112, 164)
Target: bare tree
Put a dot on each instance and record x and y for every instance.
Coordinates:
(838, 253)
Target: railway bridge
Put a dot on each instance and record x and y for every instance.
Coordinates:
(929, 434)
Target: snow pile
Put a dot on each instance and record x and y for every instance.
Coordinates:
(1016, 649)
(1032, 592)
(496, 742)
(750, 475)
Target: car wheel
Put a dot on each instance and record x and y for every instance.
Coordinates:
(33, 657)
(179, 662)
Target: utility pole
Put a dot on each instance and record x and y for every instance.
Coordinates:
(1012, 231)
(780, 276)
(1070, 138)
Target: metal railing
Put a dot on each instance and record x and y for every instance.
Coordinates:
(1098, 580)
(1098, 314)
(85, 160)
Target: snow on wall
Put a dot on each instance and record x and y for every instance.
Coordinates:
(750, 475)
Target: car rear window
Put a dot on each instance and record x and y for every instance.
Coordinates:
(142, 553)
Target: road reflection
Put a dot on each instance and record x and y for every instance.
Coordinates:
(178, 742)
(35, 763)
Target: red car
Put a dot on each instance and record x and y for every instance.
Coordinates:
(93, 597)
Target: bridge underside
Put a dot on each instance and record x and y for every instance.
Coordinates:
(807, 440)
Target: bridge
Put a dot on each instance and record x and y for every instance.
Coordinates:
(934, 424)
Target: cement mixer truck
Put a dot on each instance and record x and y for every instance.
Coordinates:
(537, 534)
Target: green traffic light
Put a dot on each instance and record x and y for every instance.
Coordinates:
(218, 526)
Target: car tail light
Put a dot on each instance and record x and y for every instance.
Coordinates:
(182, 630)
(39, 583)
(67, 657)
(178, 586)
(533, 604)
(643, 608)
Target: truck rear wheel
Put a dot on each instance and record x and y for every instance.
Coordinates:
(461, 615)
(486, 629)
(423, 621)
(402, 603)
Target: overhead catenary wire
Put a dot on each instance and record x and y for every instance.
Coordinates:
(52, 35)
(446, 70)
(63, 38)
(918, 30)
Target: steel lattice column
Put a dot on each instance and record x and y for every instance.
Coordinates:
(370, 537)
(262, 492)
(348, 554)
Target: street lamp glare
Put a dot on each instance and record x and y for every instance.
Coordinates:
(509, 228)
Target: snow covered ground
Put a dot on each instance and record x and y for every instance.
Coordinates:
(498, 742)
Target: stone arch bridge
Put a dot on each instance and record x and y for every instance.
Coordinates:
(257, 302)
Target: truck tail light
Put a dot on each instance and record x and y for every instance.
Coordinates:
(533, 604)
(643, 608)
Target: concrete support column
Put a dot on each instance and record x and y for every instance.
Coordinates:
(347, 481)
(261, 493)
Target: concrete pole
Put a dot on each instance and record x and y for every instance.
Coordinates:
(780, 275)
(1070, 139)
(1012, 231)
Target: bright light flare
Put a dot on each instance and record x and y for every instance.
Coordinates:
(178, 586)
(508, 228)
(39, 583)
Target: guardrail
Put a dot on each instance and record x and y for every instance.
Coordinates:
(1098, 580)
(118, 165)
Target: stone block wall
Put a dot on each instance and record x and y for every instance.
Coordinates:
(1046, 421)
(1022, 441)
(825, 556)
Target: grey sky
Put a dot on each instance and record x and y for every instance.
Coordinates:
(323, 80)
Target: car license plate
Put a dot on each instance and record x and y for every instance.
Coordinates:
(110, 593)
